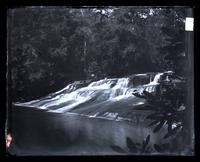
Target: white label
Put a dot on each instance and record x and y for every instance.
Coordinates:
(189, 24)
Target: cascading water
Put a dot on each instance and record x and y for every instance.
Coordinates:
(105, 90)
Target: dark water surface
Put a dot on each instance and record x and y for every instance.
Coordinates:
(37, 132)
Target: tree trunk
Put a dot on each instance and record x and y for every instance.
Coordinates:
(84, 53)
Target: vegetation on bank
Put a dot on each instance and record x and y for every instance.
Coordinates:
(169, 113)
(49, 47)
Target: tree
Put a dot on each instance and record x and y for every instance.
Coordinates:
(53, 46)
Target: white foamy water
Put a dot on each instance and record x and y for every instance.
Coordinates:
(99, 91)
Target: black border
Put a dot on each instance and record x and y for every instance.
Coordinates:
(3, 51)
(3, 79)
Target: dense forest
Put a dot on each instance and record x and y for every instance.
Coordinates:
(49, 47)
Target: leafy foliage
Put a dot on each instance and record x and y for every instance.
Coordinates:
(170, 110)
(133, 147)
(168, 116)
(50, 46)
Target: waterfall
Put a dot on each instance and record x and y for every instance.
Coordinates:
(100, 91)
(156, 79)
(150, 87)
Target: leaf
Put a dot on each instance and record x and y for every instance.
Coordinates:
(159, 126)
(157, 148)
(152, 116)
(131, 145)
(147, 140)
(162, 147)
(148, 149)
(153, 123)
(145, 143)
(117, 149)
(155, 116)
(172, 132)
(169, 128)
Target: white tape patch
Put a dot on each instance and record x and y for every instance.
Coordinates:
(189, 24)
